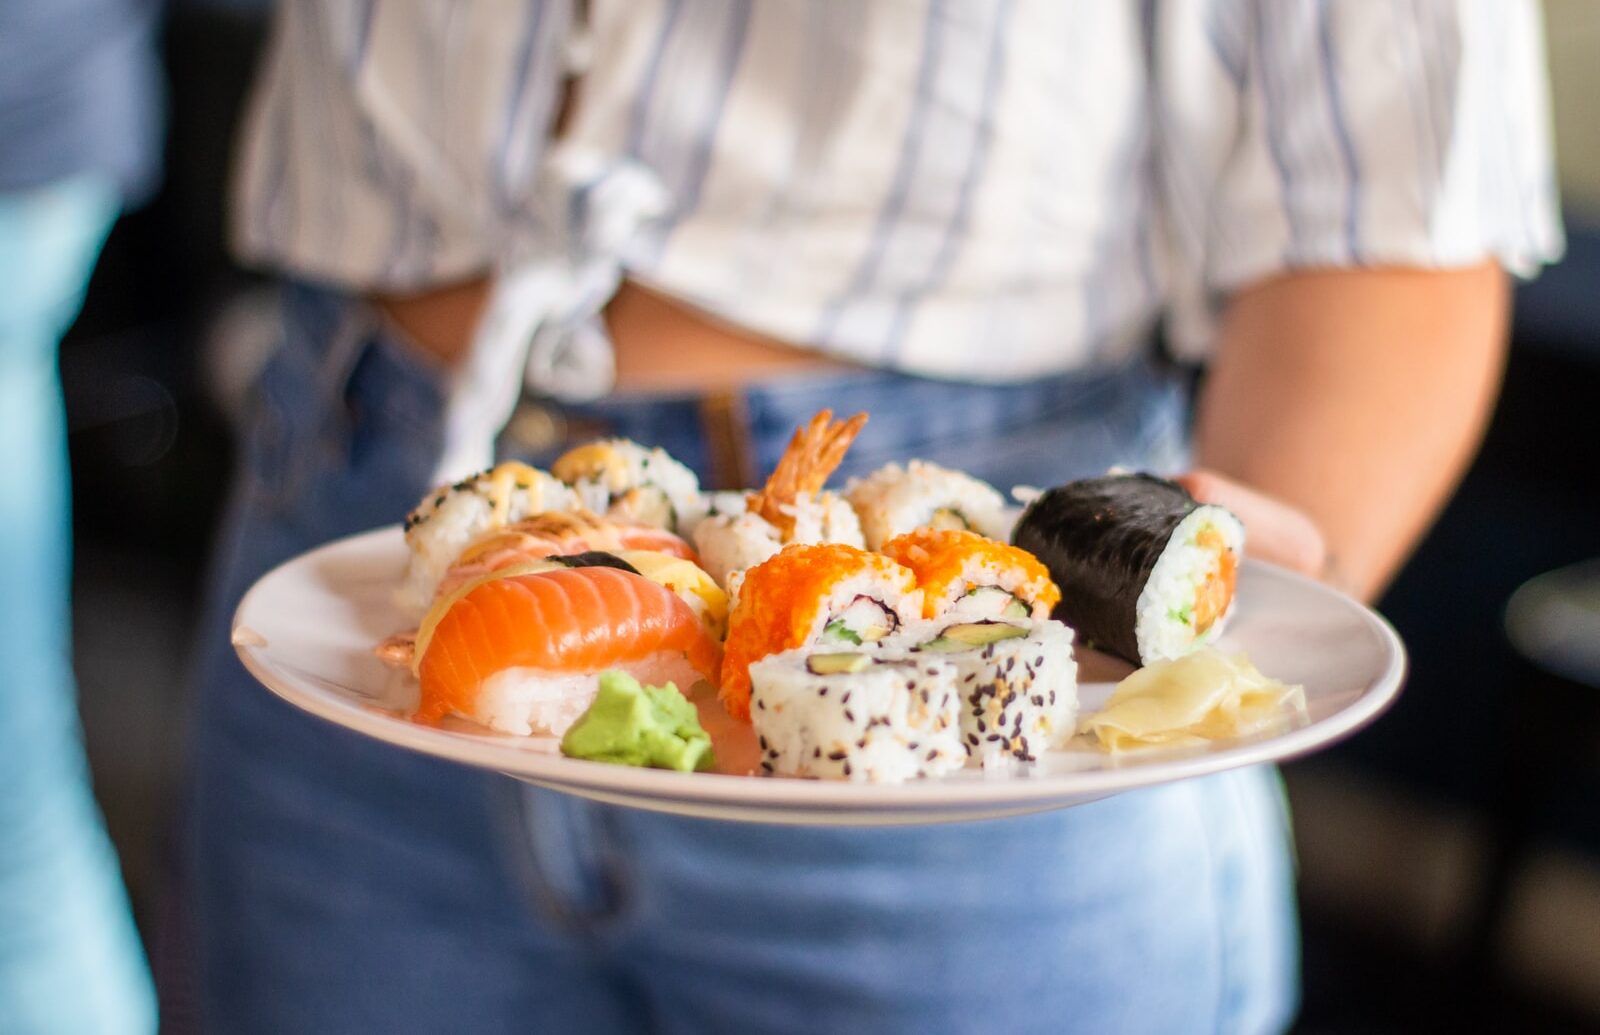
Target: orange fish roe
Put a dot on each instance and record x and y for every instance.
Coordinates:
(781, 602)
(941, 557)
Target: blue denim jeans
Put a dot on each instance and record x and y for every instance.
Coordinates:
(70, 959)
(343, 885)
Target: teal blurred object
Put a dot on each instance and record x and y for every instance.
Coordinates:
(70, 958)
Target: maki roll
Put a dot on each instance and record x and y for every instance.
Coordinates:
(856, 715)
(1017, 679)
(894, 500)
(622, 479)
(452, 516)
(1145, 571)
(826, 594)
(967, 574)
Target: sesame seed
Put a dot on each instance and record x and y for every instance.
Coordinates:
(847, 769)
(836, 756)
(933, 753)
(849, 716)
(846, 698)
(816, 752)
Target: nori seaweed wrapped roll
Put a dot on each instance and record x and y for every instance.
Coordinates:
(1145, 572)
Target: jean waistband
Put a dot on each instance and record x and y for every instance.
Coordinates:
(343, 356)
(732, 437)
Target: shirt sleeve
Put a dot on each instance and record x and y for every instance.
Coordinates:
(393, 145)
(1304, 134)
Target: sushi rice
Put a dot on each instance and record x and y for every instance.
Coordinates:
(894, 500)
(1019, 693)
(451, 516)
(1166, 621)
(526, 701)
(620, 478)
(728, 543)
(863, 716)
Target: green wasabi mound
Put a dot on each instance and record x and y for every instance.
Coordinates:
(631, 724)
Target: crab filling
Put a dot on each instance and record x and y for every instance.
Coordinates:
(863, 620)
(994, 602)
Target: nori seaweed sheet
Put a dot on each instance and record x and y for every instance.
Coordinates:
(595, 559)
(1101, 538)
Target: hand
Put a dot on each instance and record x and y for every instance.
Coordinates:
(1275, 531)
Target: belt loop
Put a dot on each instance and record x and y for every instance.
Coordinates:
(725, 422)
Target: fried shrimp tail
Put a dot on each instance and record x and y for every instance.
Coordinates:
(814, 453)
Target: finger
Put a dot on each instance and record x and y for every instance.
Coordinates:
(1275, 530)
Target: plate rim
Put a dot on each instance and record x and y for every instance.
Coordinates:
(785, 795)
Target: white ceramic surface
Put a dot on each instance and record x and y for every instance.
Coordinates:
(306, 630)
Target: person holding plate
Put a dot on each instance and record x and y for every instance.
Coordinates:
(995, 226)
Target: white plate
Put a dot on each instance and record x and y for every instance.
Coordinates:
(307, 629)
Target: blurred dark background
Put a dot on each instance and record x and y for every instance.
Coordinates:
(1450, 855)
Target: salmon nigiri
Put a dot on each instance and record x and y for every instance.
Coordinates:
(522, 652)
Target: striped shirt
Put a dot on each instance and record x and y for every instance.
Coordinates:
(976, 189)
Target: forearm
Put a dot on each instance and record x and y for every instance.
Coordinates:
(1358, 397)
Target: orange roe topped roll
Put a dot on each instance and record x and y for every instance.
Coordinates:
(961, 571)
(826, 593)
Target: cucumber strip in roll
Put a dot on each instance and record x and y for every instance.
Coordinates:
(1145, 572)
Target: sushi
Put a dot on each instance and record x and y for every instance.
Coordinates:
(790, 508)
(967, 574)
(894, 500)
(521, 652)
(690, 582)
(452, 516)
(1145, 571)
(622, 479)
(817, 594)
(554, 533)
(1018, 681)
(861, 715)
